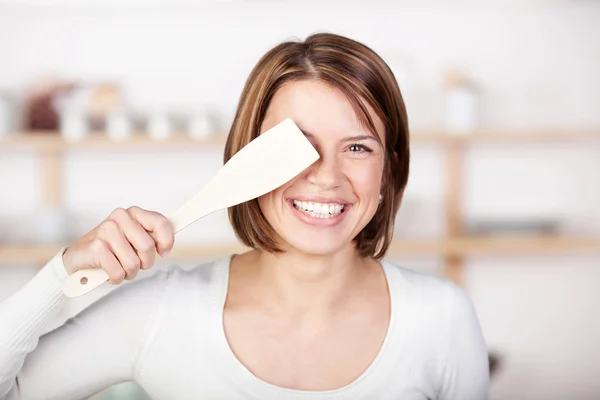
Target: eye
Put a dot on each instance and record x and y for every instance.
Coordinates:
(359, 148)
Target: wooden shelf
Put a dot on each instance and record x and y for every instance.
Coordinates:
(497, 246)
(511, 136)
(457, 247)
(42, 253)
(53, 142)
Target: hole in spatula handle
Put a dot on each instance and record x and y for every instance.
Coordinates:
(83, 281)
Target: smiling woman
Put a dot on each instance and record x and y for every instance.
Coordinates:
(345, 98)
(312, 311)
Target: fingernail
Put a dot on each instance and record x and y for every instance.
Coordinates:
(165, 253)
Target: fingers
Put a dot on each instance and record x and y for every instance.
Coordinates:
(104, 258)
(112, 233)
(141, 242)
(158, 226)
(128, 240)
(124, 243)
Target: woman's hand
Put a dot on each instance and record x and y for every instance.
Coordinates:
(122, 244)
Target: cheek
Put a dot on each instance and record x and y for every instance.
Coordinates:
(269, 201)
(366, 177)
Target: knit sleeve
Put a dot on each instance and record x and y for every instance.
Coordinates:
(94, 350)
(466, 370)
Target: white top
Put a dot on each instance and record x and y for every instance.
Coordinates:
(165, 332)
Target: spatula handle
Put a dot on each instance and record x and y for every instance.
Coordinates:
(86, 280)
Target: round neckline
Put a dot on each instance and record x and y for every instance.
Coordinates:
(241, 376)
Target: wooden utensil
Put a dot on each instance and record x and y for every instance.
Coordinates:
(266, 163)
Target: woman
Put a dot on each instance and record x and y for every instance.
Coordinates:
(311, 312)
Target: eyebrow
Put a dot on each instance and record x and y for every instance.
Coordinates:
(347, 139)
(359, 137)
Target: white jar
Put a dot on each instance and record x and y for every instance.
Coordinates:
(73, 125)
(200, 126)
(461, 106)
(118, 125)
(159, 126)
(4, 117)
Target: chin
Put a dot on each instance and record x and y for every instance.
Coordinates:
(316, 246)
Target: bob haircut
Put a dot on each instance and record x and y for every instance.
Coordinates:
(358, 72)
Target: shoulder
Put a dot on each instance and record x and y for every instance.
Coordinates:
(420, 285)
(437, 319)
(440, 324)
(430, 296)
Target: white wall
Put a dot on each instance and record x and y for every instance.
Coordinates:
(537, 63)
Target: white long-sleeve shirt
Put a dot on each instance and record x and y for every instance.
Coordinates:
(166, 333)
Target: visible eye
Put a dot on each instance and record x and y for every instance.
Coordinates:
(359, 148)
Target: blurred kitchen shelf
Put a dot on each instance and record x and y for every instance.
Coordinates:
(53, 142)
(459, 247)
(52, 147)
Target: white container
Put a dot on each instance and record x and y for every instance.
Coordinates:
(159, 126)
(4, 117)
(461, 105)
(118, 125)
(4, 224)
(73, 125)
(73, 119)
(200, 126)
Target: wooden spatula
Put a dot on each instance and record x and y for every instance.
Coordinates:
(267, 162)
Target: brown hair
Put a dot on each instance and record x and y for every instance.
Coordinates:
(361, 75)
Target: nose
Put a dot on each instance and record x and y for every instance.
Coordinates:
(325, 173)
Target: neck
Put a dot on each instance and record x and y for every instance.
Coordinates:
(307, 285)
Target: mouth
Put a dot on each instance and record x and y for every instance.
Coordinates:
(319, 210)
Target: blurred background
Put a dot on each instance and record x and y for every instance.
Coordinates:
(107, 103)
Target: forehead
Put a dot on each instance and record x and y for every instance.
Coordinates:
(320, 109)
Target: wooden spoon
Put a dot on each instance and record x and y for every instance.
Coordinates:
(266, 163)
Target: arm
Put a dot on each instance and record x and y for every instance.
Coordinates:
(466, 375)
(90, 352)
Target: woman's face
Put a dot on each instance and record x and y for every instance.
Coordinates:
(321, 210)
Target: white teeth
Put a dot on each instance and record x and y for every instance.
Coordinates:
(319, 210)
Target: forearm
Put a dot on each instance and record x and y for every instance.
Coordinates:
(94, 350)
(23, 317)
